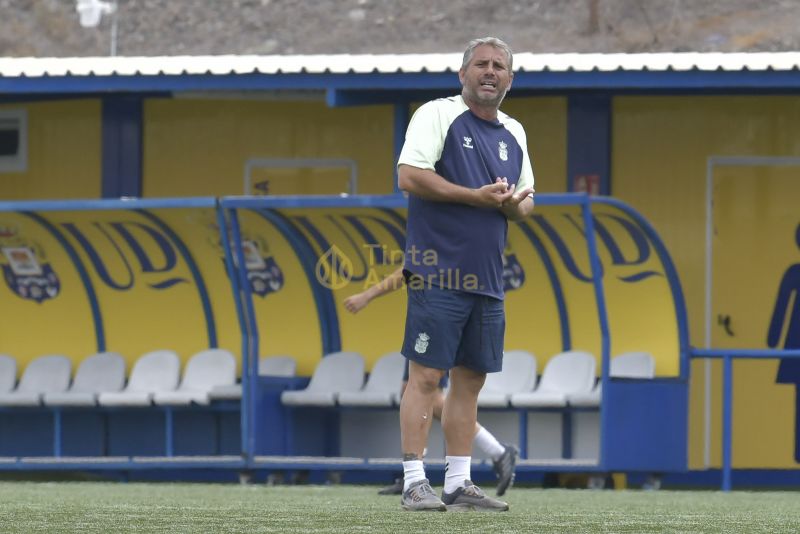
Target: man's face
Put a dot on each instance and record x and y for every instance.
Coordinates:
(486, 78)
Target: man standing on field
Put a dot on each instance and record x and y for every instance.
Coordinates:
(466, 168)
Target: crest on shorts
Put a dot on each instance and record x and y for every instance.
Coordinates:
(422, 343)
(503, 151)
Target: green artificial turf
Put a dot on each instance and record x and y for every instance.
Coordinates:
(165, 507)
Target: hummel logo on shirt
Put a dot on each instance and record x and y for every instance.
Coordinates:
(468, 142)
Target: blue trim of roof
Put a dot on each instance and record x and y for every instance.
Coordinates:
(402, 81)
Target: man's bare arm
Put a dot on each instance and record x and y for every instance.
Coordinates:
(359, 301)
(519, 206)
(426, 184)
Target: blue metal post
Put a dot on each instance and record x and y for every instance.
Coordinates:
(228, 240)
(727, 421)
(401, 117)
(523, 434)
(169, 448)
(250, 355)
(602, 316)
(122, 141)
(57, 432)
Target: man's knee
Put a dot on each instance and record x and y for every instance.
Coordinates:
(466, 380)
(425, 379)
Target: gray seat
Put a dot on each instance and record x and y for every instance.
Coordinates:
(518, 376)
(8, 373)
(278, 366)
(45, 374)
(336, 373)
(101, 372)
(204, 371)
(627, 365)
(154, 371)
(383, 384)
(566, 373)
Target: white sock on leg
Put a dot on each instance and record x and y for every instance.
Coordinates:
(413, 471)
(456, 472)
(486, 442)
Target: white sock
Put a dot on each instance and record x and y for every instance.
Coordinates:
(413, 471)
(486, 442)
(456, 471)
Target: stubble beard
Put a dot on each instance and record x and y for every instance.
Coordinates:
(485, 102)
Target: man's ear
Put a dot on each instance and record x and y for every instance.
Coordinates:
(461, 76)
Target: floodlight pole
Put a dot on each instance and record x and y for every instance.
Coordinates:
(114, 12)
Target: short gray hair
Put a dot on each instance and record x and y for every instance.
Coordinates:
(493, 41)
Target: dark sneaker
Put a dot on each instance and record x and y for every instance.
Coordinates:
(471, 497)
(420, 497)
(394, 489)
(504, 468)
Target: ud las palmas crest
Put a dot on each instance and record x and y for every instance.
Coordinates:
(263, 272)
(503, 151)
(513, 273)
(24, 273)
(422, 343)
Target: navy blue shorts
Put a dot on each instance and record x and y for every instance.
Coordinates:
(447, 328)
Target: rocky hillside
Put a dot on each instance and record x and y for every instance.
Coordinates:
(161, 27)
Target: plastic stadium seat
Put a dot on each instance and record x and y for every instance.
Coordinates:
(383, 384)
(337, 372)
(566, 373)
(104, 371)
(8, 373)
(518, 376)
(280, 366)
(627, 365)
(154, 371)
(42, 375)
(204, 371)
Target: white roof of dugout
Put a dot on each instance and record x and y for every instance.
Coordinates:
(363, 79)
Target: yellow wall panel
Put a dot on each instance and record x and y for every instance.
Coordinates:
(199, 147)
(63, 152)
(545, 122)
(661, 147)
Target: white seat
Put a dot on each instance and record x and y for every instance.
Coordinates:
(337, 372)
(8, 373)
(627, 365)
(278, 366)
(42, 375)
(383, 384)
(154, 371)
(204, 371)
(518, 376)
(285, 366)
(565, 374)
(104, 371)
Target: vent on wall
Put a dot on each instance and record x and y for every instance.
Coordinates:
(13, 141)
